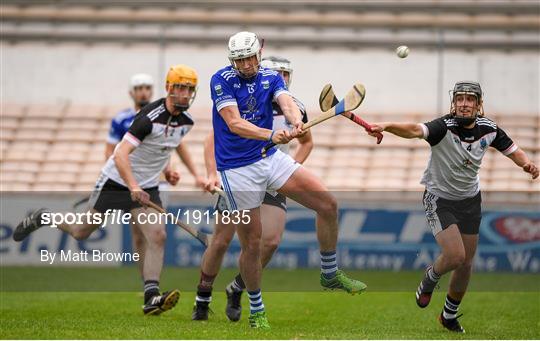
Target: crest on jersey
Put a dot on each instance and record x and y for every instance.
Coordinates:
(251, 104)
(265, 84)
(483, 143)
(219, 90)
(467, 163)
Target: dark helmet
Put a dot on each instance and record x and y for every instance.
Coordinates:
(467, 88)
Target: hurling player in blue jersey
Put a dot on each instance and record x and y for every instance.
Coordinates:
(273, 212)
(242, 95)
(141, 91)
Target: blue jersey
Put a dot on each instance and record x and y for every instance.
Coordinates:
(120, 125)
(254, 100)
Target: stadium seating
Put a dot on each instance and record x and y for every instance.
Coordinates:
(69, 153)
(320, 23)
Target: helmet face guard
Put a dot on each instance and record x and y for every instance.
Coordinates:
(466, 88)
(179, 106)
(278, 64)
(182, 75)
(244, 45)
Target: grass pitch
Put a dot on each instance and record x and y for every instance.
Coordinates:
(508, 307)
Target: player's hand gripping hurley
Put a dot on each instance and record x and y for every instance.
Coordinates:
(352, 100)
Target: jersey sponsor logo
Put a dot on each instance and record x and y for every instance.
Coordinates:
(237, 85)
(250, 117)
(219, 90)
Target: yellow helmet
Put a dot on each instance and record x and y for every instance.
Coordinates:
(182, 74)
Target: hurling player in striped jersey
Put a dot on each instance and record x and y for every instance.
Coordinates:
(452, 199)
(141, 88)
(130, 177)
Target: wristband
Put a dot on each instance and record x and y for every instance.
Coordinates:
(271, 135)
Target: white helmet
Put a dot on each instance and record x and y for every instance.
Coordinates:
(278, 64)
(242, 45)
(140, 79)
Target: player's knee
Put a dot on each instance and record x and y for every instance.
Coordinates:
(220, 245)
(158, 237)
(328, 207)
(252, 246)
(457, 259)
(271, 244)
(467, 263)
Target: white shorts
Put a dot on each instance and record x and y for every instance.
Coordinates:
(246, 186)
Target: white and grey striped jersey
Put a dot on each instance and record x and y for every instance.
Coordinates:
(456, 155)
(155, 133)
(280, 122)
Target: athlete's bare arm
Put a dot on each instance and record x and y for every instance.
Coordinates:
(405, 130)
(248, 130)
(184, 154)
(290, 109)
(210, 163)
(109, 150)
(521, 159)
(121, 160)
(305, 145)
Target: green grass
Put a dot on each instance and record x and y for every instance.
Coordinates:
(380, 313)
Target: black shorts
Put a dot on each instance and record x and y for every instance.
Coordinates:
(279, 201)
(114, 196)
(441, 213)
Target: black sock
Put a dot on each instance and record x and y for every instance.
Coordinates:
(151, 289)
(204, 295)
(240, 282)
(237, 284)
(451, 307)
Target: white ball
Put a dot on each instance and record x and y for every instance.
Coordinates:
(402, 51)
